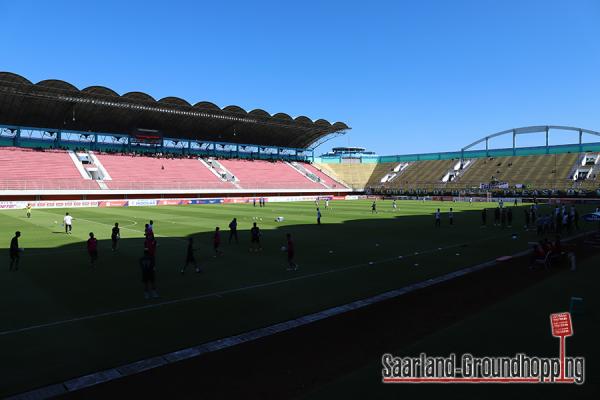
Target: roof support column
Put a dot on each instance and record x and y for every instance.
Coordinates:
(95, 142)
(547, 149)
(17, 138)
(58, 140)
(580, 141)
(487, 153)
(514, 142)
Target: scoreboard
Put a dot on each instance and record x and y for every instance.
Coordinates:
(147, 136)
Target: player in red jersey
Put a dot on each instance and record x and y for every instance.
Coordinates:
(92, 248)
(217, 241)
(150, 247)
(292, 266)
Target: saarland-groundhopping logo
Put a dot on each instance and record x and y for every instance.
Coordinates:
(520, 368)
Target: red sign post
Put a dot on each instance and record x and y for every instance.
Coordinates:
(561, 327)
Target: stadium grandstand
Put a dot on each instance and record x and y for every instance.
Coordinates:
(82, 169)
(560, 170)
(62, 142)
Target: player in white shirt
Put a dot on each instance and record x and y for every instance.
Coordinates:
(326, 204)
(68, 222)
(394, 205)
(437, 218)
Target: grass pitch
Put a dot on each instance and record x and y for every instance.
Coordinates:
(61, 319)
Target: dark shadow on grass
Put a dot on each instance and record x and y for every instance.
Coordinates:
(56, 272)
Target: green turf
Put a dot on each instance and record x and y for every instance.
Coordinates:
(55, 282)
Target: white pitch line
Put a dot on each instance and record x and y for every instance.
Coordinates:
(224, 292)
(129, 229)
(125, 226)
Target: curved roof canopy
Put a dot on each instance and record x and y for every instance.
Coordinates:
(55, 104)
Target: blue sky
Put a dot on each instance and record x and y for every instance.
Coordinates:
(407, 76)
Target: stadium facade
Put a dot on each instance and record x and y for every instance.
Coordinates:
(60, 142)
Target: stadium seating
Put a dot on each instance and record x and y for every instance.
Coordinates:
(542, 172)
(421, 175)
(547, 171)
(137, 173)
(326, 179)
(357, 176)
(26, 169)
(268, 175)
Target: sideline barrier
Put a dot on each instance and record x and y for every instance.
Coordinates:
(12, 205)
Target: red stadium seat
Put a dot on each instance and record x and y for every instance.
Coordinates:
(268, 175)
(138, 173)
